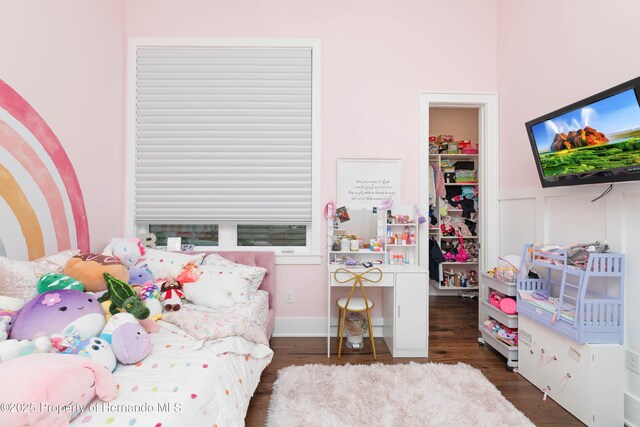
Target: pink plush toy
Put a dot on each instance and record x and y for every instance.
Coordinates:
(50, 389)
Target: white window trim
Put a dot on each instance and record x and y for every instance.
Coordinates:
(312, 253)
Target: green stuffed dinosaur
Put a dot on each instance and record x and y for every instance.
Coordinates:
(123, 298)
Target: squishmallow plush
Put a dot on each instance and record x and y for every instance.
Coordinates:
(44, 381)
(90, 269)
(128, 251)
(55, 281)
(130, 342)
(95, 348)
(150, 295)
(140, 275)
(60, 311)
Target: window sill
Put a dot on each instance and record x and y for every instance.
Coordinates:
(298, 259)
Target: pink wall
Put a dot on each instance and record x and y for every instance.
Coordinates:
(550, 54)
(376, 58)
(66, 59)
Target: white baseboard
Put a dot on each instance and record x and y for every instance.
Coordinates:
(631, 410)
(313, 326)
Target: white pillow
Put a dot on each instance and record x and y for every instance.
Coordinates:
(253, 273)
(208, 296)
(234, 282)
(166, 265)
(18, 279)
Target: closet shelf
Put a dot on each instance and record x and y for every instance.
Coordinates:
(456, 237)
(460, 184)
(453, 156)
(460, 263)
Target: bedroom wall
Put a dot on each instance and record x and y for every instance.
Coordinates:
(551, 54)
(376, 58)
(66, 59)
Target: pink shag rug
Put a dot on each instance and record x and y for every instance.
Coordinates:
(414, 394)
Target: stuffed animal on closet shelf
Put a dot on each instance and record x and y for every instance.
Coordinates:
(40, 381)
(90, 269)
(58, 312)
(128, 339)
(171, 295)
(128, 251)
(123, 298)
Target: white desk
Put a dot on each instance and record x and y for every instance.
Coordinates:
(405, 307)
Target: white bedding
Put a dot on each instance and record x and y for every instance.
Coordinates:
(184, 382)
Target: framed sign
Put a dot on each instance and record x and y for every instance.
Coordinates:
(364, 183)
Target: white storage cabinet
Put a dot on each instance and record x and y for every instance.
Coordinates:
(586, 379)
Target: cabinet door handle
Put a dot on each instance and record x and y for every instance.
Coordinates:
(398, 312)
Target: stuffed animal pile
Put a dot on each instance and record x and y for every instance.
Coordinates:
(67, 317)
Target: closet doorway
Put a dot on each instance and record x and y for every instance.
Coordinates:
(468, 117)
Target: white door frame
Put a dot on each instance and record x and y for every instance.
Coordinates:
(487, 103)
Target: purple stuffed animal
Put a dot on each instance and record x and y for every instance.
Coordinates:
(63, 311)
(129, 341)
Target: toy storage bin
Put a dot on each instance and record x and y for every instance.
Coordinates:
(463, 176)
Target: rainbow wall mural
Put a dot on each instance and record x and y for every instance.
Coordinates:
(41, 206)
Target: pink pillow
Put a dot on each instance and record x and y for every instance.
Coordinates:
(18, 279)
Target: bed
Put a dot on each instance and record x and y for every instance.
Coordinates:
(194, 381)
(584, 302)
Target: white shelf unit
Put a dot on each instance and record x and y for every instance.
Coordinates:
(455, 267)
(487, 311)
(378, 230)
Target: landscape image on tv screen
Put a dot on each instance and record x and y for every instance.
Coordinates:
(603, 136)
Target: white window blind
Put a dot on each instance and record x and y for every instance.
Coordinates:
(223, 135)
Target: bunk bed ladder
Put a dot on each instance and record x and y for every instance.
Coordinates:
(568, 289)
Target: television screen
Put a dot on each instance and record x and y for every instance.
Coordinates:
(596, 140)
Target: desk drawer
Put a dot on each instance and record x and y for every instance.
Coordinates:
(388, 279)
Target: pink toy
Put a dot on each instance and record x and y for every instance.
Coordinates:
(51, 389)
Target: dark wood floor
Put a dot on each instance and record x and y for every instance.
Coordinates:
(453, 333)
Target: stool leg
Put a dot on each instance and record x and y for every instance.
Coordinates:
(339, 318)
(344, 314)
(373, 344)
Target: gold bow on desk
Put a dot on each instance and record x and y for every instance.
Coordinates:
(357, 279)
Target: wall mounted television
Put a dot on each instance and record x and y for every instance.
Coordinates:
(596, 140)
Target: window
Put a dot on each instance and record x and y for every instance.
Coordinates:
(224, 147)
